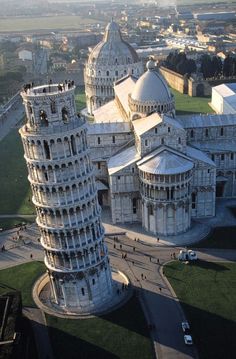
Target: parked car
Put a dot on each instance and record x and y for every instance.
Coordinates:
(188, 340)
(185, 327)
(187, 255)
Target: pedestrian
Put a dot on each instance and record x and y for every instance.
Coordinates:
(120, 246)
(158, 261)
(160, 289)
(157, 239)
(142, 275)
(133, 263)
(31, 256)
(133, 249)
(145, 277)
(135, 239)
(150, 258)
(114, 246)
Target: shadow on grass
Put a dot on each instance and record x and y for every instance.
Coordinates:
(209, 265)
(213, 335)
(219, 238)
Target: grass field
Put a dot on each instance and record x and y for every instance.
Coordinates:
(7, 223)
(187, 105)
(80, 99)
(207, 292)
(44, 23)
(15, 194)
(26, 276)
(122, 334)
(220, 237)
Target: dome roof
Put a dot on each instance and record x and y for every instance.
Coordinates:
(166, 163)
(151, 86)
(113, 50)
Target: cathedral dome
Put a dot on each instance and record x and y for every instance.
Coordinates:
(151, 86)
(113, 50)
(151, 93)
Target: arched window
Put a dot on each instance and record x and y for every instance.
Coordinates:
(222, 131)
(46, 150)
(192, 134)
(43, 118)
(134, 205)
(53, 107)
(116, 73)
(82, 291)
(64, 113)
(108, 73)
(193, 200)
(73, 145)
(206, 132)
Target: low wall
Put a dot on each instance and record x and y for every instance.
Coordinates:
(175, 80)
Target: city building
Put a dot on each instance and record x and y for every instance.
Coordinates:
(156, 168)
(223, 98)
(65, 196)
(110, 60)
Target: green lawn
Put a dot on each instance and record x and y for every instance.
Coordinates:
(80, 100)
(207, 292)
(8, 223)
(187, 105)
(15, 194)
(220, 237)
(122, 334)
(26, 276)
(44, 23)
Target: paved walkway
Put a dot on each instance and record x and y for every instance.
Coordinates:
(13, 118)
(39, 326)
(199, 230)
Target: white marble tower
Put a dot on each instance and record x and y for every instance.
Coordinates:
(65, 197)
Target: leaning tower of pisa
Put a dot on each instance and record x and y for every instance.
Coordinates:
(65, 197)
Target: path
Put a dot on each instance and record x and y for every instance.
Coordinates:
(41, 335)
(160, 306)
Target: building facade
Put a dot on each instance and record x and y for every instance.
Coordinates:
(156, 168)
(65, 196)
(110, 60)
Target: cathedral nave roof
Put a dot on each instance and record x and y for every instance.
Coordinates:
(192, 121)
(122, 160)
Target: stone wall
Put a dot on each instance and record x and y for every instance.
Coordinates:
(175, 80)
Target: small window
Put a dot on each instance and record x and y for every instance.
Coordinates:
(222, 157)
(193, 200)
(113, 139)
(99, 165)
(132, 169)
(53, 107)
(93, 281)
(118, 177)
(134, 205)
(155, 130)
(192, 134)
(64, 114)
(146, 142)
(82, 290)
(206, 132)
(162, 141)
(116, 73)
(222, 131)
(168, 129)
(99, 140)
(108, 73)
(213, 157)
(232, 156)
(179, 140)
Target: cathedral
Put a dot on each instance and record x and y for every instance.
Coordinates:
(110, 60)
(156, 168)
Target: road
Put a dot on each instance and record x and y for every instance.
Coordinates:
(159, 304)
